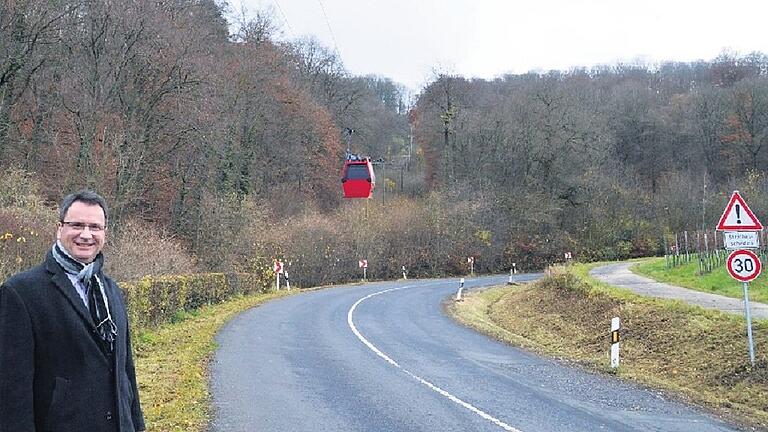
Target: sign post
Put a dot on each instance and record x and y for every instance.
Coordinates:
(277, 267)
(744, 266)
(749, 324)
(363, 264)
(742, 232)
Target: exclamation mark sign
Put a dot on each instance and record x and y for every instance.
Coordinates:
(738, 214)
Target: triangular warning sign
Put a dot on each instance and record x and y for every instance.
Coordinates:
(738, 217)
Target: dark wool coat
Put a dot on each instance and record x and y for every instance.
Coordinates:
(55, 374)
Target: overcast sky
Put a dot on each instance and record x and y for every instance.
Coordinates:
(406, 40)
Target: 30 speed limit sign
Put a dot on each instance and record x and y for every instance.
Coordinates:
(743, 265)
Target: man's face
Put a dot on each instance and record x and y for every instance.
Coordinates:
(80, 233)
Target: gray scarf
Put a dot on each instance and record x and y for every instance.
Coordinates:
(97, 298)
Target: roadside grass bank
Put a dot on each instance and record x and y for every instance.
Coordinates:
(696, 354)
(716, 282)
(172, 361)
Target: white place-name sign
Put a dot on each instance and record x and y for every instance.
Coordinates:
(741, 240)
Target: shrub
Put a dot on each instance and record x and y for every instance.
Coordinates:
(137, 249)
(27, 224)
(156, 300)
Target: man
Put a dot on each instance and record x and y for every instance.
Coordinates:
(65, 348)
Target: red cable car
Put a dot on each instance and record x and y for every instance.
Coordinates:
(357, 177)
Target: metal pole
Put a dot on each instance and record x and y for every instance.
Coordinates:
(749, 324)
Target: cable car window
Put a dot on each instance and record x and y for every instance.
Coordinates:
(357, 172)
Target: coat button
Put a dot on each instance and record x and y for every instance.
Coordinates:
(109, 415)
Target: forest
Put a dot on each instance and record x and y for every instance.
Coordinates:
(219, 148)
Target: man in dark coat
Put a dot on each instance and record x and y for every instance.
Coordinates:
(65, 347)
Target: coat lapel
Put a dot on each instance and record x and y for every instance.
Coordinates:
(64, 285)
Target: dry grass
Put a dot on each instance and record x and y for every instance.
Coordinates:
(697, 354)
(172, 362)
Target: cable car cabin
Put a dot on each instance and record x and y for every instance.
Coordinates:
(358, 179)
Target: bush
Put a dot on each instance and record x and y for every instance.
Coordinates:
(137, 250)
(157, 300)
(27, 224)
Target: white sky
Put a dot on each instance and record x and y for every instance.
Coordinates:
(406, 40)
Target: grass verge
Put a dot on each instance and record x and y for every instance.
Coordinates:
(172, 360)
(716, 282)
(697, 354)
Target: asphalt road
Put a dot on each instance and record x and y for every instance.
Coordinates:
(384, 357)
(619, 274)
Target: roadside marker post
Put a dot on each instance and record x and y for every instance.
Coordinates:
(514, 268)
(363, 264)
(405, 275)
(461, 288)
(510, 276)
(277, 267)
(615, 337)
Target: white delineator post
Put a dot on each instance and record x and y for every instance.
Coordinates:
(461, 288)
(514, 268)
(615, 326)
(510, 276)
(277, 281)
(287, 282)
(404, 273)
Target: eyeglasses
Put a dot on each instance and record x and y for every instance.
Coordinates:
(81, 226)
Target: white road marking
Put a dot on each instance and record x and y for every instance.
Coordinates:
(433, 387)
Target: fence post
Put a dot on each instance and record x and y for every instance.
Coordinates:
(709, 256)
(698, 249)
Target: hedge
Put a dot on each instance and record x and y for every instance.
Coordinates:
(152, 301)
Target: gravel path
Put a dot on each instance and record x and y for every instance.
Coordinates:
(619, 275)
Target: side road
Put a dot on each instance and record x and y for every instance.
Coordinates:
(620, 275)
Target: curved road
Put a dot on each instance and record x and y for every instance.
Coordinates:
(384, 357)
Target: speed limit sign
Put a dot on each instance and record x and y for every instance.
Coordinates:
(743, 265)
